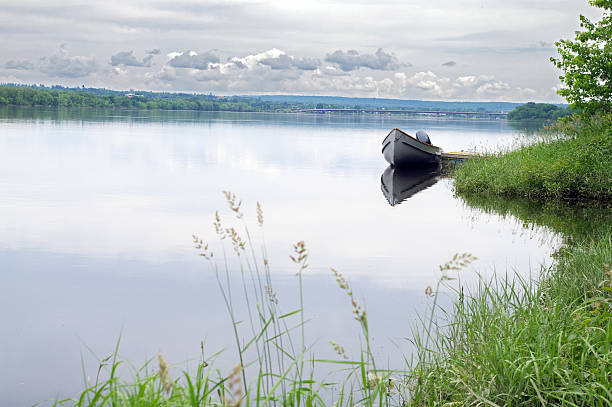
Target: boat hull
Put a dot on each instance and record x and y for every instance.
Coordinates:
(402, 150)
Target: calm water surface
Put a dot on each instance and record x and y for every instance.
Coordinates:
(97, 211)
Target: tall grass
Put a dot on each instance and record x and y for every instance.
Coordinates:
(274, 364)
(514, 342)
(510, 341)
(572, 161)
(517, 342)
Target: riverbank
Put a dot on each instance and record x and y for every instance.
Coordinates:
(572, 162)
(528, 343)
(536, 343)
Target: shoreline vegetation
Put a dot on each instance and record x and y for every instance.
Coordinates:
(525, 343)
(572, 160)
(547, 342)
(542, 112)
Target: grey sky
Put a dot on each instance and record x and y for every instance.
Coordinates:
(437, 49)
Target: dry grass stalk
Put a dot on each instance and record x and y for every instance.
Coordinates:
(372, 380)
(218, 227)
(233, 205)
(459, 261)
(358, 312)
(301, 255)
(260, 217)
(237, 242)
(166, 382)
(338, 349)
(198, 244)
(235, 387)
(272, 297)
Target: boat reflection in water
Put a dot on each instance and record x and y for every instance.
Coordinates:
(399, 184)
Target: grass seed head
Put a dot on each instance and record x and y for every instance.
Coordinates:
(459, 261)
(342, 283)
(218, 227)
(199, 245)
(358, 313)
(338, 349)
(237, 242)
(260, 217)
(233, 203)
(372, 380)
(300, 255)
(166, 382)
(272, 297)
(235, 387)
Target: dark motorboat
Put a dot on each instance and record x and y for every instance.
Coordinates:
(402, 150)
(399, 184)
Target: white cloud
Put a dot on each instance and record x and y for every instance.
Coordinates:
(191, 59)
(331, 70)
(487, 86)
(161, 79)
(127, 58)
(61, 64)
(19, 65)
(352, 60)
(250, 61)
(249, 75)
(430, 82)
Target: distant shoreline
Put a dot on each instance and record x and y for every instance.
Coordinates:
(22, 95)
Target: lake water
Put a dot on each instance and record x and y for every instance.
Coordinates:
(97, 210)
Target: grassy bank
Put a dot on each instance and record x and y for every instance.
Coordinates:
(574, 161)
(548, 342)
(525, 343)
(530, 344)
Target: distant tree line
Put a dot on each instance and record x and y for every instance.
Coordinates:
(539, 112)
(76, 97)
(62, 97)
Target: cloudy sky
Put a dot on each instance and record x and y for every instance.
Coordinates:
(410, 49)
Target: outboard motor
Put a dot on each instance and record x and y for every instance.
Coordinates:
(422, 136)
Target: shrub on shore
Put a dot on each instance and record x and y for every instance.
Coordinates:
(539, 111)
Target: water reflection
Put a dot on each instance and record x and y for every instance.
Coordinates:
(529, 127)
(399, 184)
(574, 221)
